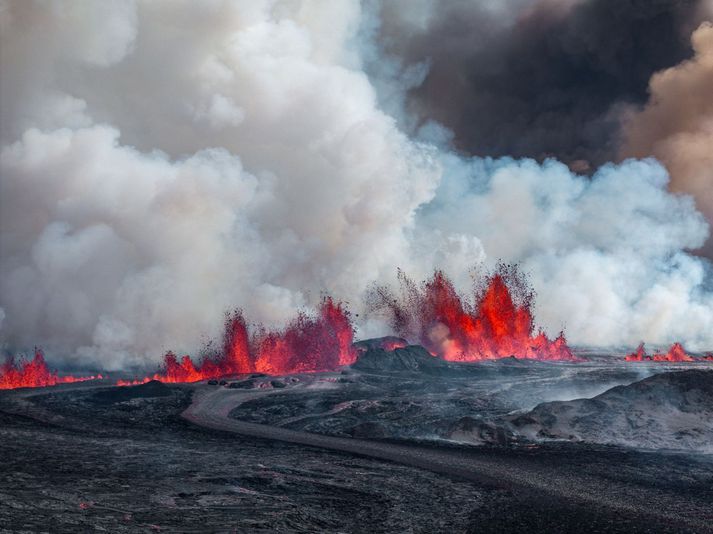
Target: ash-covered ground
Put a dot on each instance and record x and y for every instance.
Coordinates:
(404, 446)
(410, 395)
(105, 462)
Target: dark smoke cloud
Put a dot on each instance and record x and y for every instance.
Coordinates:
(536, 79)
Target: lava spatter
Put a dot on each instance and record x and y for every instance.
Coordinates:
(34, 373)
(676, 353)
(309, 343)
(498, 322)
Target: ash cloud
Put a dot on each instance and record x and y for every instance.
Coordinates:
(676, 125)
(538, 79)
(162, 163)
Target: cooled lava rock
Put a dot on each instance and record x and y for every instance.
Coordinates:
(150, 389)
(386, 343)
(248, 383)
(669, 410)
(368, 430)
(414, 358)
(471, 430)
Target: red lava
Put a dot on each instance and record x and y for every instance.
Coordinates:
(34, 374)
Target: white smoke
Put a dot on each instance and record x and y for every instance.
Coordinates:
(605, 254)
(163, 162)
(199, 158)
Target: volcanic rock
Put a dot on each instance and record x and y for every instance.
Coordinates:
(470, 430)
(669, 410)
(413, 358)
(386, 343)
(150, 389)
(249, 383)
(368, 430)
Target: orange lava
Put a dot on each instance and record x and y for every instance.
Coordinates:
(34, 374)
(136, 382)
(675, 354)
(497, 323)
(307, 344)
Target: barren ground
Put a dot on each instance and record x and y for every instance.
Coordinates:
(90, 459)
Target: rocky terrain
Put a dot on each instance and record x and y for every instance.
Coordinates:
(666, 411)
(385, 446)
(123, 460)
(405, 393)
(408, 394)
(406, 359)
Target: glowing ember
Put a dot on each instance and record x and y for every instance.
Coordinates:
(34, 374)
(675, 354)
(393, 343)
(136, 382)
(496, 324)
(308, 344)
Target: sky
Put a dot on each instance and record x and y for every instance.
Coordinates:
(164, 162)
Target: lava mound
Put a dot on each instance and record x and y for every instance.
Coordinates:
(150, 389)
(669, 410)
(377, 355)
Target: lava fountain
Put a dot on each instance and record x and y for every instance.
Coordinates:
(308, 344)
(34, 373)
(496, 323)
(674, 354)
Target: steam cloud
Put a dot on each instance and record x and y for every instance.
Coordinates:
(163, 162)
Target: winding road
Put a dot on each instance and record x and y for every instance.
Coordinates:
(211, 408)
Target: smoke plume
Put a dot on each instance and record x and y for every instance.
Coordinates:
(163, 162)
(538, 79)
(676, 125)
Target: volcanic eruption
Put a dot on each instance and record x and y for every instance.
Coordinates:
(34, 373)
(308, 344)
(675, 353)
(497, 323)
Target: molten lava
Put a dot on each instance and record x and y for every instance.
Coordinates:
(675, 354)
(308, 344)
(496, 324)
(34, 374)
